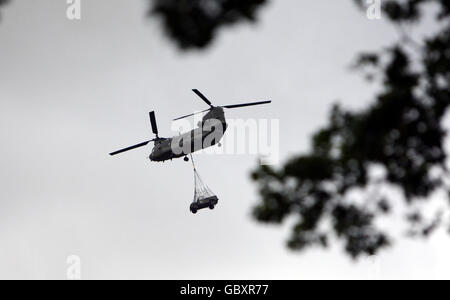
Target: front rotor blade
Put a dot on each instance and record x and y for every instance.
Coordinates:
(131, 148)
(202, 96)
(247, 104)
(190, 115)
(153, 122)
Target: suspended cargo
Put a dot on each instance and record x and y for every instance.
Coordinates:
(203, 196)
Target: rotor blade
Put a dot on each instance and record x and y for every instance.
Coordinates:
(153, 122)
(131, 148)
(246, 104)
(190, 115)
(202, 96)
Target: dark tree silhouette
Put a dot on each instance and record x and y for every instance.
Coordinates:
(194, 23)
(2, 2)
(401, 133)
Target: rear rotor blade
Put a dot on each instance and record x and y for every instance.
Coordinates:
(246, 104)
(203, 97)
(131, 148)
(153, 122)
(190, 115)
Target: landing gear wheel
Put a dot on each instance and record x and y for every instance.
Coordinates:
(211, 207)
(186, 159)
(219, 145)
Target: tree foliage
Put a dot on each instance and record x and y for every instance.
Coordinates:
(401, 132)
(195, 23)
(2, 2)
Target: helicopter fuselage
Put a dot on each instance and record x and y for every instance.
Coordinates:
(210, 131)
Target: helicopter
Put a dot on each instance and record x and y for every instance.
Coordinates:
(213, 125)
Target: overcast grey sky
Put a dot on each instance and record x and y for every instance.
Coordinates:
(71, 92)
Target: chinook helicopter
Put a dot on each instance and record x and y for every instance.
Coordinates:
(212, 123)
